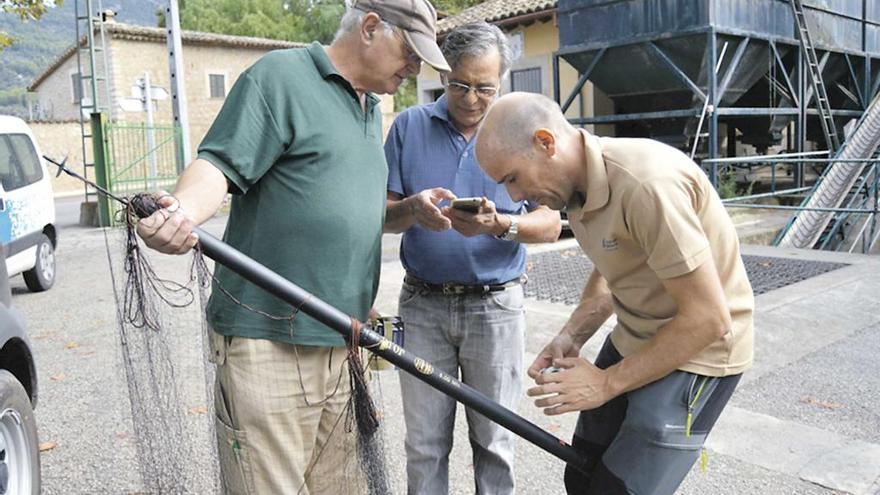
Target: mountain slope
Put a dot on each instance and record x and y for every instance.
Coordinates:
(38, 43)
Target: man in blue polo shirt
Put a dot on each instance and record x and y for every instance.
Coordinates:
(462, 298)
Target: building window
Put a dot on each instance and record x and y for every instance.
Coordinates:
(528, 80)
(217, 83)
(76, 85)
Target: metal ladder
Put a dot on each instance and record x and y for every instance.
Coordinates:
(815, 73)
(91, 56)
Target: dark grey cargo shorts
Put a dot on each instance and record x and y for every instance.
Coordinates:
(645, 441)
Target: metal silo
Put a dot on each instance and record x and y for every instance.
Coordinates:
(654, 60)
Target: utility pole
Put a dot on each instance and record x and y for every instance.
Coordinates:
(178, 86)
(147, 100)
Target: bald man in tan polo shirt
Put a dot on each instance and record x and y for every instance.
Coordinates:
(667, 263)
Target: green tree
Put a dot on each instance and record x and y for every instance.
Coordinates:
(291, 20)
(316, 19)
(452, 7)
(25, 10)
(406, 95)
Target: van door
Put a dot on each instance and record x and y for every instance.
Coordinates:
(24, 207)
(5, 171)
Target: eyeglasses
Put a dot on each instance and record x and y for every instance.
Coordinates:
(461, 89)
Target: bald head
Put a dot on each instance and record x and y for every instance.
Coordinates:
(526, 144)
(509, 126)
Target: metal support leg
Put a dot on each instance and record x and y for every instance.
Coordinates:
(556, 85)
(731, 140)
(801, 127)
(583, 79)
(680, 74)
(713, 95)
(794, 93)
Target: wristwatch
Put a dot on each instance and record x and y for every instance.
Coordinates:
(512, 231)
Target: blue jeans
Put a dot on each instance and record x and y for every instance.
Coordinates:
(483, 337)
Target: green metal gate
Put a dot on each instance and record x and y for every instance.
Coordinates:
(142, 158)
(133, 158)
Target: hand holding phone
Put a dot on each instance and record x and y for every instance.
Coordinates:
(470, 205)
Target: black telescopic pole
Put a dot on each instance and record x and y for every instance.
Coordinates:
(294, 295)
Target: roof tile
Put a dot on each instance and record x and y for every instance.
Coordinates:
(493, 11)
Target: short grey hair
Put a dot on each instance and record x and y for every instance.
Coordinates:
(475, 40)
(351, 22)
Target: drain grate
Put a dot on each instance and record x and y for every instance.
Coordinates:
(559, 276)
(767, 273)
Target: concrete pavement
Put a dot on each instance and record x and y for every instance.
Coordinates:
(804, 420)
(794, 425)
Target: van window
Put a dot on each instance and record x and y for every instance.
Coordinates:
(19, 164)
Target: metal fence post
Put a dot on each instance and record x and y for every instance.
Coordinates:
(100, 141)
(179, 151)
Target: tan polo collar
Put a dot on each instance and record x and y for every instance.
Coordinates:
(596, 185)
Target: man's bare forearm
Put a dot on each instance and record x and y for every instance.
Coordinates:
(201, 190)
(399, 216)
(593, 310)
(539, 225)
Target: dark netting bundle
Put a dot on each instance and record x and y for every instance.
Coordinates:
(166, 359)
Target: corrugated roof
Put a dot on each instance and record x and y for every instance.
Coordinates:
(494, 11)
(119, 30)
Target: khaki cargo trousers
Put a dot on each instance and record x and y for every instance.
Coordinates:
(280, 418)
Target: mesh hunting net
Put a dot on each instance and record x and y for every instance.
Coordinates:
(167, 355)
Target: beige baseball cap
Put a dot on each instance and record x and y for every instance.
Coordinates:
(417, 19)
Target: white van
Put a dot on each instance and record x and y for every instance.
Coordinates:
(27, 207)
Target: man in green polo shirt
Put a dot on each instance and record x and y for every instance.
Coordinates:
(666, 263)
(299, 144)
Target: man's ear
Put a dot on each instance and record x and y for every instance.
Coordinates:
(546, 141)
(370, 26)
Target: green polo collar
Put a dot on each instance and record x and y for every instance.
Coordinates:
(327, 70)
(322, 61)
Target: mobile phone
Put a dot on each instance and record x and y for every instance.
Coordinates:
(470, 205)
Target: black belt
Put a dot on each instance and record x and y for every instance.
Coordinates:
(462, 289)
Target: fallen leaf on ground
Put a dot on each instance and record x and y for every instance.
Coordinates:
(824, 404)
(72, 345)
(46, 446)
(58, 378)
(198, 410)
